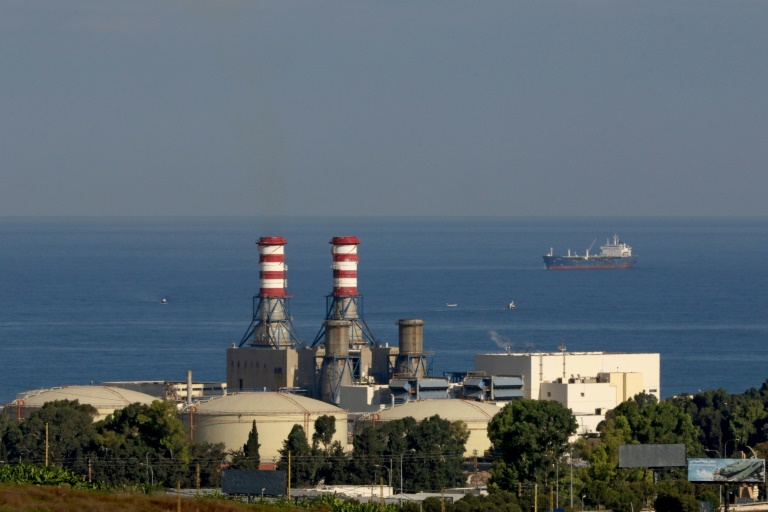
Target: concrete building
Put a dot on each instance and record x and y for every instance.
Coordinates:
(588, 383)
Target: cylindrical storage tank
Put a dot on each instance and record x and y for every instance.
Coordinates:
(335, 370)
(228, 419)
(344, 251)
(411, 360)
(411, 335)
(272, 278)
(105, 399)
(475, 415)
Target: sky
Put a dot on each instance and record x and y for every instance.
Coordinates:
(384, 108)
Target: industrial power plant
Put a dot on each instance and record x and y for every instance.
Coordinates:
(277, 380)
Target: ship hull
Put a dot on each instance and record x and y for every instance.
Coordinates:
(593, 262)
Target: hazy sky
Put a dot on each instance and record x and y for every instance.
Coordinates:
(247, 107)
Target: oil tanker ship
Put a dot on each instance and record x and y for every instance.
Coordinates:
(612, 255)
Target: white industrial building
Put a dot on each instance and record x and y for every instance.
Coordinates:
(588, 383)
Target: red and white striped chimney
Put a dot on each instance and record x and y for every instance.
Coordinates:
(344, 266)
(272, 279)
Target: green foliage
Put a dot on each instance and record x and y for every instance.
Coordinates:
(325, 428)
(24, 473)
(499, 501)
(438, 454)
(142, 444)
(247, 457)
(336, 504)
(155, 427)
(673, 502)
(651, 422)
(71, 434)
(528, 436)
(431, 452)
(210, 457)
(303, 462)
(334, 468)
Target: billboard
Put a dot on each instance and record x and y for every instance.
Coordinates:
(726, 470)
(253, 482)
(651, 455)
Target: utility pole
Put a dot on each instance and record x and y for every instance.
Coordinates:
(46, 444)
(551, 497)
(289, 476)
(536, 497)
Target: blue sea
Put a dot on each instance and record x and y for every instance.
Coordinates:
(80, 297)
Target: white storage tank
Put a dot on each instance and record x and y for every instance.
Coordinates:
(228, 419)
(476, 415)
(104, 399)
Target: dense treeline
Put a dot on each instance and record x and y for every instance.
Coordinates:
(145, 446)
(530, 445)
(140, 445)
(424, 456)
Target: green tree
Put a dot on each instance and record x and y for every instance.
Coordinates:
(248, 456)
(210, 457)
(303, 461)
(333, 464)
(653, 422)
(498, 501)
(71, 435)
(431, 451)
(325, 428)
(528, 436)
(142, 443)
(438, 455)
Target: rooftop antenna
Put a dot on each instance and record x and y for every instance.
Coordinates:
(562, 350)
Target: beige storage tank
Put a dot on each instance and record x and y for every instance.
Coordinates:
(104, 399)
(228, 419)
(476, 415)
(411, 360)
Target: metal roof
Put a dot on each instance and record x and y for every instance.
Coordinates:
(100, 397)
(449, 409)
(263, 403)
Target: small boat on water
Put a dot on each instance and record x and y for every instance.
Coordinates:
(511, 305)
(451, 305)
(163, 301)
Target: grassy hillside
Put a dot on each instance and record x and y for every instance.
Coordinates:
(33, 498)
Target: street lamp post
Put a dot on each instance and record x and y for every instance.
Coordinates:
(401, 468)
(151, 471)
(725, 456)
(582, 502)
(720, 486)
(570, 456)
(557, 483)
(389, 474)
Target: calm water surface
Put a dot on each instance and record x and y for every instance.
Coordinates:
(80, 298)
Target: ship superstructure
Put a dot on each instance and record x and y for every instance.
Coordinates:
(616, 254)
